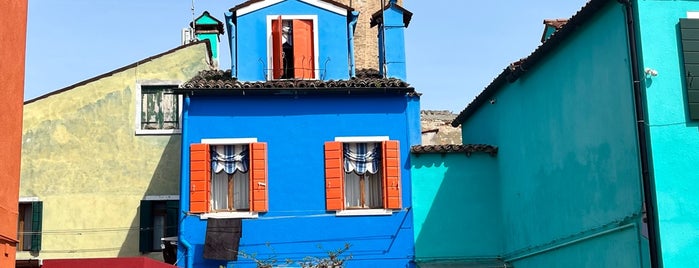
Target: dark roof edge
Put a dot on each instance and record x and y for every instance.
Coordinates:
(407, 15)
(468, 149)
(124, 68)
(513, 72)
(250, 2)
(297, 91)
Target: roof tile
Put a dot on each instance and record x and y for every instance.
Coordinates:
(455, 148)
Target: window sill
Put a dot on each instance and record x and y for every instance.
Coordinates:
(364, 212)
(158, 131)
(229, 215)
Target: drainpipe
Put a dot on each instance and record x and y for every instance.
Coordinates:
(350, 31)
(651, 218)
(184, 198)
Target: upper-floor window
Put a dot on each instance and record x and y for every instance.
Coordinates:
(293, 47)
(158, 111)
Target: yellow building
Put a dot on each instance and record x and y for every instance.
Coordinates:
(100, 161)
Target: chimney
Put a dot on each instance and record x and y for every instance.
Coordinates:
(392, 21)
(208, 27)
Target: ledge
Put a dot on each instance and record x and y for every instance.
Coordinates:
(364, 212)
(229, 215)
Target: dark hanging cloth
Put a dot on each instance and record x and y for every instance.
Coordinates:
(222, 239)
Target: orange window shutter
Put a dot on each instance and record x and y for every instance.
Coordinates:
(259, 200)
(391, 175)
(277, 60)
(334, 176)
(304, 60)
(199, 178)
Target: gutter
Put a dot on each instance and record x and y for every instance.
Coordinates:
(647, 181)
(354, 15)
(189, 251)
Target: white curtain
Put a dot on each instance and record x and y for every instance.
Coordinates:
(372, 190)
(219, 191)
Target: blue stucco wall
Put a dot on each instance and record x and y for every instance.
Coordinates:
(251, 41)
(568, 153)
(673, 138)
(392, 44)
(456, 207)
(295, 129)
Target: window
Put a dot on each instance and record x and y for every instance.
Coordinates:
(29, 226)
(158, 219)
(690, 49)
(362, 175)
(228, 177)
(293, 49)
(158, 110)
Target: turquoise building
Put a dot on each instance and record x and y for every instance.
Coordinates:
(293, 155)
(596, 137)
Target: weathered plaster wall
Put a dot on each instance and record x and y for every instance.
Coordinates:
(568, 155)
(82, 159)
(12, 86)
(456, 207)
(673, 138)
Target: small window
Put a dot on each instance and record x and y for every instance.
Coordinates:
(293, 49)
(29, 226)
(158, 219)
(228, 177)
(159, 110)
(362, 175)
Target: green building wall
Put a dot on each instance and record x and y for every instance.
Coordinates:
(456, 207)
(81, 157)
(674, 139)
(568, 165)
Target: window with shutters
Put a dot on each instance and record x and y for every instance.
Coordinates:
(689, 33)
(293, 47)
(158, 219)
(29, 226)
(158, 111)
(228, 177)
(362, 176)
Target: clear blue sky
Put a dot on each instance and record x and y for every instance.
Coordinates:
(454, 47)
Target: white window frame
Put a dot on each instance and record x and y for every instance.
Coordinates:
(368, 211)
(270, 52)
(139, 105)
(228, 214)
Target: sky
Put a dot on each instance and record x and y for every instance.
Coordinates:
(454, 48)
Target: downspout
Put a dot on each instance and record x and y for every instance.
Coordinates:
(184, 199)
(647, 181)
(350, 32)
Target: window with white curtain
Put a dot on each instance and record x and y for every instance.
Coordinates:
(230, 180)
(362, 164)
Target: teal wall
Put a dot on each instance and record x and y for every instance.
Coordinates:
(568, 156)
(456, 207)
(673, 139)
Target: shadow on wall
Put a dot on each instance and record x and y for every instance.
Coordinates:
(457, 208)
(164, 181)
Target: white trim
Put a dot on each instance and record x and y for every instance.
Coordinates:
(327, 6)
(693, 14)
(270, 54)
(161, 197)
(229, 215)
(364, 212)
(256, 6)
(260, 5)
(137, 118)
(229, 141)
(362, 139)
(29, 199)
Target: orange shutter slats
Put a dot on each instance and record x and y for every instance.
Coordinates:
(304, 60)
(391, 175)
(258, 177)
(199, 178)
(277, 60)
(334, 177)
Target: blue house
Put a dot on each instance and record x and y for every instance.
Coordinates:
(292, 154)
(596, 164)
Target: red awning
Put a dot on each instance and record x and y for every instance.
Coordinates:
(136, 262)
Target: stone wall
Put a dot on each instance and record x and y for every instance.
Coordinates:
(437, 129)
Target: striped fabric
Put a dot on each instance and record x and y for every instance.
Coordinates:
(229, 158)
(362, 157)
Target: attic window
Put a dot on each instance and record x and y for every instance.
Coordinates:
(293, 48)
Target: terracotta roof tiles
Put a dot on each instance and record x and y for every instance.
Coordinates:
(455, 148)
